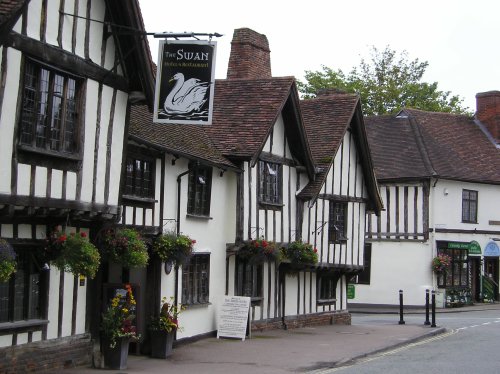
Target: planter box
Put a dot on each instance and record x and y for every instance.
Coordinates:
(115, 357)
(161, 343)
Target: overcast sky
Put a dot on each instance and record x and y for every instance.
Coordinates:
(460, 39)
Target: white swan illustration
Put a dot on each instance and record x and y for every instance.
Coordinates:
(186, 96)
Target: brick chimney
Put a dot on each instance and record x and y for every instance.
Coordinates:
(488, 112)
(250, 55)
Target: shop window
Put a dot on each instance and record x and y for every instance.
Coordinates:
(49, 114)
(195, 280)
(337, 222)
(364, 276)
(139, 178)
(469, 206)
(270, 183)
(199, 191)
(457, 274)
(248, 279)
(20, 297)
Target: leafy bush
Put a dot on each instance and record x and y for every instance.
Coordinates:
(7, 260)
(126, 247)
(259, 250)
(299, 253)
(171, 247)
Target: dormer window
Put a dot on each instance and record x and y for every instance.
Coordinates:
(199, 190)
(270, 183)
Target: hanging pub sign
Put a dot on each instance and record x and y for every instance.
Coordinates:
(185, 80)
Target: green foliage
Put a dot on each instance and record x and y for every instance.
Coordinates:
(171, 247)
(299, 253)
(7, 260)
(387, 83)
(259, 250)
(126, 247)
(117, 320)
(168, 319)
(74, 253)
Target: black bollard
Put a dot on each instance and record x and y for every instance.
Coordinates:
(433, 324)
(427, 308)
(401, 321)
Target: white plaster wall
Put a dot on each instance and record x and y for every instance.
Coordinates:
(100, 180)
(40, 181)
(447, 210)
(81, 26)
(8, 118)
(397, 266)
(34, 17)
(279, 137)
(67, 32)
(117, 146)
(89, 142)
(96, 30)
(70, 186)
(53, 302)
(56, 184)
(52, 26)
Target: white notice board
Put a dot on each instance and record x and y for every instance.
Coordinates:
(233, 317)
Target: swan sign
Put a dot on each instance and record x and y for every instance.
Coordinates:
(185, 82)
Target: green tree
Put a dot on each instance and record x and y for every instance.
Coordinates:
(386, 83)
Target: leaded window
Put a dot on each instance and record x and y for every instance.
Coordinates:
(139, 177)
(457, 274)
(249, 279)
(195, 280)
(49, 112)
(469, 206)
(199, 190)
(337, 222)
(20, 296)
(327, 288)
(270, 183)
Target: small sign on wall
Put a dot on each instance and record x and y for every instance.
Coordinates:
(233, 317)
(351, 291)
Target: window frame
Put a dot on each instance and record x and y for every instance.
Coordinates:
(334, 234)
(467, 203)
(192, 279)
(243, 281)
(199, 194)
(131, 195)
(327, 282)
(268, 182)
(29, 121)
(31, 262)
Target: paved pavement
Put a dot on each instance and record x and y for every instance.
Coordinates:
(286, 351)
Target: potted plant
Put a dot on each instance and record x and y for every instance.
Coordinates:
(126, 247)
(299, 254)
(259, 250)
(173, 248)
(440, 263)
(163, 328)
(74, 253)
(7, 260)
(118, 329)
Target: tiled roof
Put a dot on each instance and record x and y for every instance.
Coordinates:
(244, 113)
(190, 141)
(9, 7)
(426, 143)
(327, 119)
(394, 150)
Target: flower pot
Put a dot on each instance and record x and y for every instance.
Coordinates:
(115, 357)
(161, 343)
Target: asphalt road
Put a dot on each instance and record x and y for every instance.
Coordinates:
(470, 346)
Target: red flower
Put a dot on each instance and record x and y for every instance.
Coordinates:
(315, 250)
(264, 243)
(83, 234)
(193, 241)
(62, 238)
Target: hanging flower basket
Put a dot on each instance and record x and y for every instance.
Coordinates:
(299, 253)
(258, 251)
(73, 253)
(7, 260)
(440, 263)
(126, 247)
(173, 248)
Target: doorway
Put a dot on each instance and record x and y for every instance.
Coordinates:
(475, 271)
(491, 273)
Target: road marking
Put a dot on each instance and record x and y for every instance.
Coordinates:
(376, 356)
